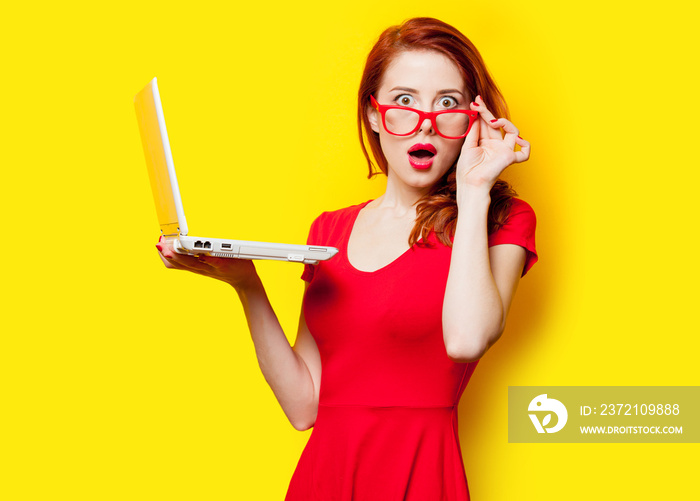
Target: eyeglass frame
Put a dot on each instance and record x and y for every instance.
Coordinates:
(422, 115)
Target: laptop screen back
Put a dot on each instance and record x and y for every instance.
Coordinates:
(161, 170)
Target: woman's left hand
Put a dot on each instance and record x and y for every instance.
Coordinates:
(486, 151)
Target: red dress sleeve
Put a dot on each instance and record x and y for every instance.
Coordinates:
(519, 230)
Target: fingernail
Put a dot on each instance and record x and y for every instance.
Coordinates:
(494, 120)
(475, 103)
(519, 137)
(159, 247)
(161, 238)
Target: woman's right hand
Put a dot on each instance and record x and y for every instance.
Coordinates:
(238, 273)
(294, 374)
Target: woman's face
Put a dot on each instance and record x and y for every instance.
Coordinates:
(429, 81)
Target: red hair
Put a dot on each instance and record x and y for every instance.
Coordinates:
(437, 210)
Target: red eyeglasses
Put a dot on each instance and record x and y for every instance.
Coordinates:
(402, 121)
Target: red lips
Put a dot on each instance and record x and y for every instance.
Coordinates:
(419, 146)
(420, 155)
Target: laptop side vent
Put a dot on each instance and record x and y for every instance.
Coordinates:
(222, 254)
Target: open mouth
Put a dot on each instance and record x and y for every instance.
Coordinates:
(420, 156)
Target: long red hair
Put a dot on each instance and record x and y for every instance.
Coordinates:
(437, 210)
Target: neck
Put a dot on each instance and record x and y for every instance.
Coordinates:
(401, 196)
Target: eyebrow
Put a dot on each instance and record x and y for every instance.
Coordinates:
(406, 89)
(440, 92)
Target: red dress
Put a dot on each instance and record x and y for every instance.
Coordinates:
(386, 428)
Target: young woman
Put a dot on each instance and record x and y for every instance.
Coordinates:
(392, 328)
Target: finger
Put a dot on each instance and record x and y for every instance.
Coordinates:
(160, 247)
(182, 261)
(487, 130)
(511, 131)
(524, 153)
(212, 261)
(472, 139)
(191, 263)
(167, 263)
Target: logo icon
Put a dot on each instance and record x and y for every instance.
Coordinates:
(542, 403)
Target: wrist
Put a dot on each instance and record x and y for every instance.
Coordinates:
(246, 285)
(473, 197)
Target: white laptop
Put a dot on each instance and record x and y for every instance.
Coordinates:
(166, 194)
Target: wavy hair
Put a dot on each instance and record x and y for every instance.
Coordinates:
(437, 210)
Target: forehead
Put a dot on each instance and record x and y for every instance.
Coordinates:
(424, 70)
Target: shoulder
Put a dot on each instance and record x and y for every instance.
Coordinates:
(521, 207)
(329, 222)
(518, 229)
(330, 228)
(334, 215)
(521, 215)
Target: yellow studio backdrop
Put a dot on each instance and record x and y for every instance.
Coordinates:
(120, 379)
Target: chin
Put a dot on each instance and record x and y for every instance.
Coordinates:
(431, 175)
(422, 179)
(414, 178)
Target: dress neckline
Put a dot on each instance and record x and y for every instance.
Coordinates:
(346, 242)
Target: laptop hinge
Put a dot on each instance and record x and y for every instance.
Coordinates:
(170, 230)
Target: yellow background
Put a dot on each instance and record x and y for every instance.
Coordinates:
(120, 379)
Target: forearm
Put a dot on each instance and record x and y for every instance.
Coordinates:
(473, 316)
(284, 370)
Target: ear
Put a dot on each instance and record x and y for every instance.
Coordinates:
(373, 117)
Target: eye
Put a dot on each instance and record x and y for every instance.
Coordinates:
(448, 102)
(404, 100)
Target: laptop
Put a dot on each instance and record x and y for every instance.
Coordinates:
(171, 215)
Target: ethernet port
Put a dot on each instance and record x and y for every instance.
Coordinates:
(199, 244)
(207, 245)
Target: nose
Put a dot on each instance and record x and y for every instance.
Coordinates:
(426, 125)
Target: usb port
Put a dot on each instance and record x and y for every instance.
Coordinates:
(225, 246)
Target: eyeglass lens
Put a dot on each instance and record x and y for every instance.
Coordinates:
(404, 121)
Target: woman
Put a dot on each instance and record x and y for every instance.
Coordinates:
(392, 328)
